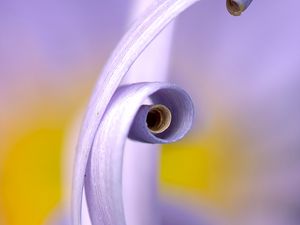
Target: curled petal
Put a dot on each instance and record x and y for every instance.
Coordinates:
(181, 117)
(131, 46)
(236, 7)
(104, 172)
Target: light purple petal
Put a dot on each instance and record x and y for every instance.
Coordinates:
(131, 46)
(104, 176)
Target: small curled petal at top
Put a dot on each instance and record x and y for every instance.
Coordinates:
(236, 7)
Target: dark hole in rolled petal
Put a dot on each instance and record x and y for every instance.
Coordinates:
(158, 119)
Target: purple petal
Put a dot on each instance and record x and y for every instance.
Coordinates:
(131, 46)
(104, 173)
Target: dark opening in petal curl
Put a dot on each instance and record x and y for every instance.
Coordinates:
(158, 118)
(170, 117)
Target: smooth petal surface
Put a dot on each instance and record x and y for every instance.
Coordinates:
(141, 163)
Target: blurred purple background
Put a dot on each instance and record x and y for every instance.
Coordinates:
(242, 158)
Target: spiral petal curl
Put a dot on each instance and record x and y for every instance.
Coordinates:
(143, 31)
(104, 172)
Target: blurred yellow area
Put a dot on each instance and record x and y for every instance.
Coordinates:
(30, 182)
(205, 165)
(30, 176)
(31, 150)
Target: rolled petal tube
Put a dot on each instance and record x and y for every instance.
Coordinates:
(181, 108)
(142, 32)
(236, 7)
(103, 183)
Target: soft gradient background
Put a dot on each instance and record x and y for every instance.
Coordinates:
(242, 157)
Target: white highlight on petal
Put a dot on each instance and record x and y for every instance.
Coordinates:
(141, 160)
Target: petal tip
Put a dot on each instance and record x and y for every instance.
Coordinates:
(236, 7)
